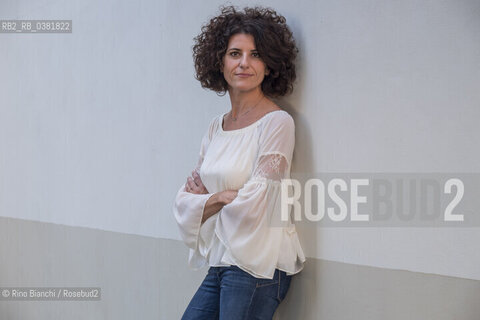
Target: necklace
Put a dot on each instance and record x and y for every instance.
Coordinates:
(235, 118)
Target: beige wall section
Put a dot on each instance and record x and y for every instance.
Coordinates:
(148, 278)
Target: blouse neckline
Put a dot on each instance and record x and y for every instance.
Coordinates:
(222, 116)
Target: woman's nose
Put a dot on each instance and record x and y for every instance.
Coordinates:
(244, 62)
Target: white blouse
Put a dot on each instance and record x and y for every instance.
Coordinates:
(246, 232)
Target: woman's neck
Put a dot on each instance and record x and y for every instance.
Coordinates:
(244, 101)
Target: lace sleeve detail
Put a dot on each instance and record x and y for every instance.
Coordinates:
(271, 166)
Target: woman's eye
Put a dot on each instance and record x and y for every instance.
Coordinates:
(234, 54)
(256, 55)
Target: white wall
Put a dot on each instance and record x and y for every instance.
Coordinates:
(100, 127)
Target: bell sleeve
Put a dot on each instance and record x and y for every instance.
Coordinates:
(188, 207)
(249, 226)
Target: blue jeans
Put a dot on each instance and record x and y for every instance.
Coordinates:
(229, 293)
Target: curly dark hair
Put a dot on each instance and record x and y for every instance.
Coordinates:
(273, 40)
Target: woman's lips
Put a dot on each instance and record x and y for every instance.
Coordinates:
(244, 75)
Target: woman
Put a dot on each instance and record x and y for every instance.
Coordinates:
(228, 211)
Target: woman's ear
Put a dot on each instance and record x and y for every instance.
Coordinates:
(267, 71)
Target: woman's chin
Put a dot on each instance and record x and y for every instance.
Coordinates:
(242, 89)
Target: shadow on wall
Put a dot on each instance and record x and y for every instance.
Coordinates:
(305, 284)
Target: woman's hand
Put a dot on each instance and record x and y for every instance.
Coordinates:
(216, 202)
(195, 185)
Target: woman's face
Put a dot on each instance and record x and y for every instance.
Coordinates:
(242, 67)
